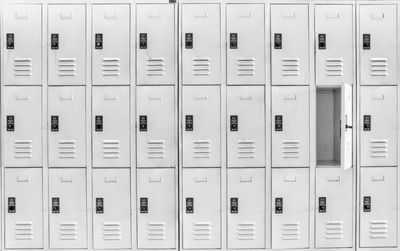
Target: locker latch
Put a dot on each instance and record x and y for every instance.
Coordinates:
(144, 205)
(10, 123)
(54, 124)
(322, 204)
(11, 205)
(278, 205)
(99, 205)
(278, 41)
(10, 41)
(55, 205)
(234, 205)
(278, 123)
(54, 41)
(98, 123)
(234, 123)
(143, 123)
(367, 204)
(367, 122)
(366, 41)
(98, 41)
(322, 41)
(143, 40)
(189, 205)
(233, 40)
(189, 40)
(189, 122)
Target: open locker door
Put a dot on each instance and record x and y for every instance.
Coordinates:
(347, 127)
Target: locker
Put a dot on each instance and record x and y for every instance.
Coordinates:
(334, 53)
(246, 208)
(67, 208)
(378, 108)
(202, 126)
(112, 209)
(156, 208)
(333, 208)
(22, 125)
(378, 213)
(155, 119)
(290, 45)
(23, 208)
(378, 44)
(156, 50)
(67, 44)
(201, 41)
(290, 126)
(201, 219)
(290, 210)
(22, 54)
(246, 50)
(110, 44)
(67, 126)
(111, 129)
(246, 126)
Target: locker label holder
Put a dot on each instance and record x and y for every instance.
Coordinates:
(144, 205)
(189, 205)
(143, 40)
(367, 41)
(98, 123)
(322, 204)
(54, 124)
(54, 41)
(322, 41)
(233, 40)
(189, 40)
(189, 123)
(99, 205)
(10, 123)
(11, 205)
(278, 41)
(367, 123)
(10, 41)
(278, 123)
(234, 205)
(55, 205)
(98, 41)
(234, 125)
(278, 205)
(143, 123)
(367, 204)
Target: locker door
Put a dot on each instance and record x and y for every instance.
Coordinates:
(67, 44)
(246, 126)
(379, 126)
(347, 126)
(246, 50)
(155, 52)
(67, 208)
(156, 207)
(110, 44)
(290, 212)
(23, 212)
(67, 126)
(202, 128)
(378, 214)
(22, 54)
(334, 208)
(201, 40)
(22, 123)
(246, 208)
(290, 48)
(112, 209)
(155, 139)
(201, 208)
(291, 126)
(111, 126)
(334, 54)
(378, 44)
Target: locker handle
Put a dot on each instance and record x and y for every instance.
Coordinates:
(21, 97)
(201, 97)
(67, 97)
(110, 15)
(66, 15)
(378, 97)
(378, 178)
(67, 180)
(154, 180)
(24, 15)
(246, 97)
(290, 97)
(290, 179)
(201, 14)
(204, 179)
(155, 97)
(110, 97)
(377, 16)
(248, 14)
(155, 15)
(246, 179)
(289, 15)
(23, 179)
(110, 180)
(334, 179)
(333, 15)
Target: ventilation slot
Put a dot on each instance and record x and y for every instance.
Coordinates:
(155, 67)
(24, 230)
(201, 67)
(246, 66)
(334, 67)
(66, 67)
(111, 67)
(378, 229)
(290, 231)
(111, 149)
(201, 149)
(22, 67)
(67, 149)
(111, 231)
(156, 231)
(23, 149)
(290, 67)
(379, 67)
(246, 149)
(68, 231)
(156, 149)
(334, 230)
(201, 231)
(246, 230)
(290, 149)
(379, 148)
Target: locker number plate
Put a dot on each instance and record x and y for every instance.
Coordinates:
(367, 204)
(189, 40)
(278, 41)
(143, 40)
(55, 205)
(98, 41)
(54, 124)
(189, 205)
(143, 123)
(234, 123)
(99, 205)
(233, 43)
(278, 123)
(366, 41)
(10, 41)
(144, 206)
(10, 123)
(99, 123)
(367, 122)
(189, 122)
(11, 205)
(278, 205)
(322, 204)
(54, 41)
(322, 41)
(234, 205)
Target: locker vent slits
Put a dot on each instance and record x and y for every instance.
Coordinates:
(201, 66)
(111, 149)
(246, 149)
(156, 231)
(68, 231)
(201, 231)
(24, 230)
(334, 67)
(290, 231)
(290, 149)
(156, 149)
(67, 149)
(22, 67)
(379, 67)
(379, 148)
(23, 149)
(290, 67)
(155, 66)
(111, 67)
(246, 230)
(246, 66)
(112, 231)
(378, 229)
(66, 67)
(334, 230)
(202, 149)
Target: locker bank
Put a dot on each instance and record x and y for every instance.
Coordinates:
(199, 125)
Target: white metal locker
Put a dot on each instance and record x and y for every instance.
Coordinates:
(202, 126)
(246, 126)
(346, 124)
(110, 44)
(22, 126)
(156, 208)
(201, 208)
(290, 208)
(66, 44)
(156, 47)
(378, 108)
(111, 126)
(290, 126)
(334, 36)
(246, 44)
(334, 208)
(246, 208)
(155, 120)
(290, 44)
(67, 208)
(67, 126)
(111, 209)
(201, 44)
(378, 209)
(23, 208)
(378, 44)
(22, 36)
